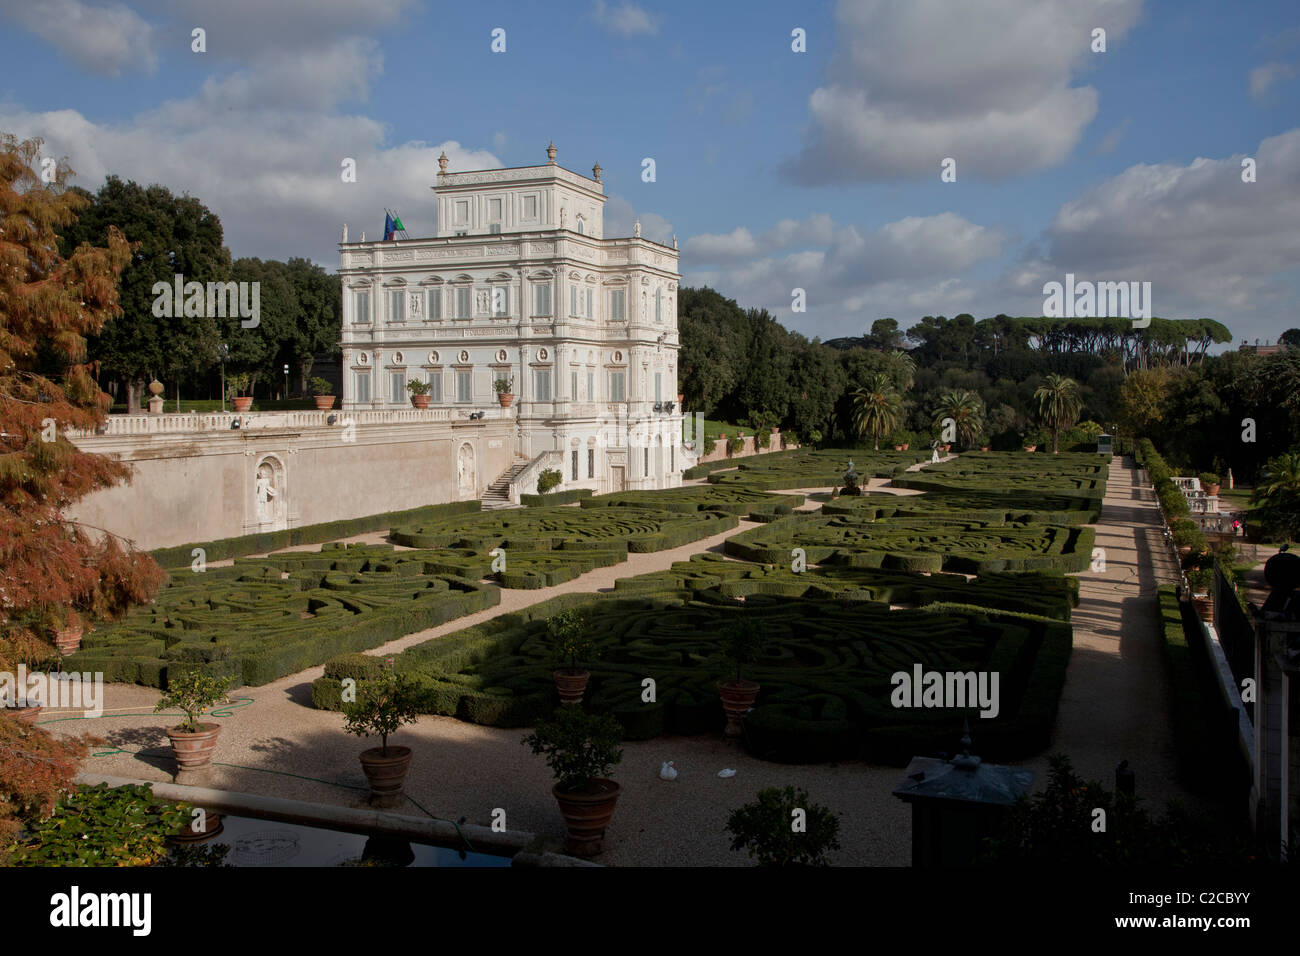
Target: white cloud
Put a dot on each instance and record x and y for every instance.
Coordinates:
(987, 84)
(1264, 78)
(106, 38)
(624, 19)
(621, 217)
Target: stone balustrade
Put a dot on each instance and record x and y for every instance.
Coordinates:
(123, 425)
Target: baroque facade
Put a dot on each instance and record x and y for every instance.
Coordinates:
(520, 289)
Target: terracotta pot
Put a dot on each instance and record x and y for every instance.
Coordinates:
(1204, 608)
(587, 814)
(212, 826)
(898, 448)
(420, 401)
(67, 639)
(906, 445)
(1211, 489)
(242, 402)
(1031, 448)
(24, 715)
(571, 686)
(681, 398)
(505, 398)
(386, 774)
(324, 402)
(737, 700)
(194, 750)
(984, 447)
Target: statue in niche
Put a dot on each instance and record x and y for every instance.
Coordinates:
(465, 470)
(265, 490)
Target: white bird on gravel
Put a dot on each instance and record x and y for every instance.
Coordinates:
(668, 771)
(726, 773)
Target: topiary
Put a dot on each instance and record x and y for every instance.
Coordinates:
(784, 828)
(548, 479)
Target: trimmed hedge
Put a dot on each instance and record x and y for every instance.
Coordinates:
(268, 541)
(264, 618)
(687, 500)
(986, 506)
(555, 497)
(1205, 728)
(825, 671)
(809, 468)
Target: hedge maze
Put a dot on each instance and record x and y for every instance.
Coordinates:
(1075, 475)
(815, 468)
(917, 544)
(986, 506)
(263, 618)
(738, 501)
(825, 671)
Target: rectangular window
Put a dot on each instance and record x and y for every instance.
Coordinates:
(435, 303)
(647, 463)
(361, 309)
(591, 463)
(574, 470)
(495, 228)
(435, 388)
(462, 232)
(591, 304)
(616, 386)
(462, 212)
(618, 304)
(462, 302)
(399, 387)
(530, 207)
(494, 210)
(659, 305)
(591, 386)
(573, 386)
(397, 306)
(573, 300)
(463, 392)
(672, 457)
(363, 387)
(542, 298)
(542, 385)
(659, 378)
(501, 300)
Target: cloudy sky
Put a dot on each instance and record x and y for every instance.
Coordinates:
(776, 169)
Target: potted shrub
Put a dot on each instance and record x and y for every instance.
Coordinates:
(238, 384)
(1185, 534)
(548, 479)
(383, 704)
(581, 749)
(741, 642)
(1201, 583)
(1032, 440)
(322, 392)
(64, 627)
(567, 634)
(1209, 482)
(194, 693)
(736, 445)
(419, 392)
(764, 828)
(502, 387)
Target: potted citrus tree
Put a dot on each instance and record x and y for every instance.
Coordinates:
(581, 749)
(741, 642)
(766, 830)
(383, 704)
(238, 384)
(194, 693)
(1201, 582)
(1209, 482)
(419, 392)
(322, 392)
(567, 634)
(502, 387)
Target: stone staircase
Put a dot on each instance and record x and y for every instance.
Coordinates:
(497, 495)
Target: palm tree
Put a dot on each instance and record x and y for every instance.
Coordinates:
(876, 408)
(1058, 404)
(1278, 496)
(967, 412)
(907, 365)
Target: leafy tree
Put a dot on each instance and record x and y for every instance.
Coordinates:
(817, 380)
(1278, 496)
(885, 336)
(53, 571)
(1058, 405)
(784, 828)
(967, 412)
(316, 328)
(171, 235)
(1290, 338)
(877, 408)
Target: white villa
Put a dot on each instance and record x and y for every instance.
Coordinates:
(521, 284)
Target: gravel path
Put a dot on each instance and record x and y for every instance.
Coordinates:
(1114, 707)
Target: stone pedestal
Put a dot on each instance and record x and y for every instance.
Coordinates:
(156, 405)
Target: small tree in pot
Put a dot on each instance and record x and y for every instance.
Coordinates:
(741, 642)
(502, 386)
(567, 635)
(1209, 482)
(194, 693)
(322, 392)
(382, 705)
(581, 749)
(419, 392)
(784, 828)
(238, 386)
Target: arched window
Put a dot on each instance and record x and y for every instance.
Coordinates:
(582, 226)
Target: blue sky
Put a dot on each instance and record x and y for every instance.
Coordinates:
(775, 169)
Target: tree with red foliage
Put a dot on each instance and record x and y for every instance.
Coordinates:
(53, 572)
